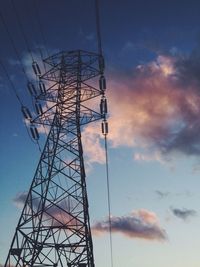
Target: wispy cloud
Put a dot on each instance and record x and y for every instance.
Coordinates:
(141, 224)
(183, 214)
(162, 194)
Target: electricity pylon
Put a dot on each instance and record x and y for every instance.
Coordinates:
(54, 228)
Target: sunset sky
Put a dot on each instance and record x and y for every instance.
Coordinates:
(152, 53)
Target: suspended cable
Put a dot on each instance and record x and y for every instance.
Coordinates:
(12, 84)
(40, 29)
(18, 98)
(98, 27)
(108, 197)
(13, 44)
(8, 77)
(40, 26)
(103, 108)
(36, 141)
(22, 30)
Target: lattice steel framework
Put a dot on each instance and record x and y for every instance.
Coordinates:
(54, 228)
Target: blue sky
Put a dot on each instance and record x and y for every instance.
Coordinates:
(152, 67)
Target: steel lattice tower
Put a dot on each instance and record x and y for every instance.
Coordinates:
(54, 228)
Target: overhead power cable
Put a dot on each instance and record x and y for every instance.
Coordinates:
(109, 200)
(18, 99)
(22, 30)
(13, 44)
(11, 82)
(105, 124)
(20, 62)
(98, 27)
(40, 26)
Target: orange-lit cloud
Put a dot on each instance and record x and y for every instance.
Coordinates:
(154, 109)
(141, 224)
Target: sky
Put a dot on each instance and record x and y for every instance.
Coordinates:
(152, 55)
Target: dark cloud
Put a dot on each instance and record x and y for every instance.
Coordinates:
(183, 214)
(188, 68)
(161, 194)
(140, 224)
(20, 199)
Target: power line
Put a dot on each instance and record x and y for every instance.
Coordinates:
(22, 30)
(105, 124)
(108, 195)
(98, 27)
(40, 26)
(17, 96)
(13, 44)
(23, 69)
(12, 84)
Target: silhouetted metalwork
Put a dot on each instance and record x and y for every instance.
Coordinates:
(54, 227)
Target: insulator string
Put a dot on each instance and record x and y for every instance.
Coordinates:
(16, 94)
(104, 124)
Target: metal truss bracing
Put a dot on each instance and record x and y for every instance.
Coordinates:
(54, 228)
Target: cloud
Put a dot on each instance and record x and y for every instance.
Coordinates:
(91, 139)
(55, 213)
(140, 224)
(161, 194)
(156, 109)
(183, 214)
(20, 199)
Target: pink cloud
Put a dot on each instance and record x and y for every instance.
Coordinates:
(93, 149)
(55, 214)
(154, 109)
(140, 224)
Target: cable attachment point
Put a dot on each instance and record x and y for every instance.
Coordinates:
(102, 83)
(31, 88)
(36, 69)
(34, 132)
(103, 107)
(104, 127)
(101, 64)
(26, 113)
(42, 87)
(38, 108)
